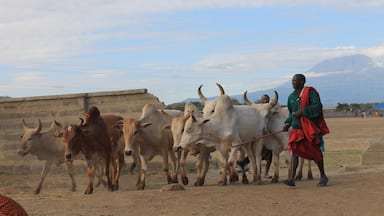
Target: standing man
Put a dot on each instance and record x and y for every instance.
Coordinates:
(308, 127)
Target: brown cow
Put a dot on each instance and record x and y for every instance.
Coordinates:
(47, 146)
(117, 147)
(91, 139)
(145, 138)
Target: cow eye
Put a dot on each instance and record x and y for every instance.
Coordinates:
(134, 133)
(182, 130)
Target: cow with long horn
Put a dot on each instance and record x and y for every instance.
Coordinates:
(231, 127)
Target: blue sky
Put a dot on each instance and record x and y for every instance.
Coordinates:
(171, 47)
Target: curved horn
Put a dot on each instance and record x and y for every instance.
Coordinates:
(274, 100)
(245, 98)
(58, 124)
(202, 98)
(38, 129)
(81, 121)
(222, 92)
(186, 117)
(24, 125)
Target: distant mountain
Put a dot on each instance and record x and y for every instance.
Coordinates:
(348, 79)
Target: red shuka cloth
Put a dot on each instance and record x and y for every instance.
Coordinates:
(304, 142)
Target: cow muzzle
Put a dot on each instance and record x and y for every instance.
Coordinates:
(21, 152)
(128, 152)
(176, 148)
(68, 156)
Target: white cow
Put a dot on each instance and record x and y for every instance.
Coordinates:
(279, 140)
(145, 138)
(197, 149)
(230, 127)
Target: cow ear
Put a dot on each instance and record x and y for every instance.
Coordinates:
(205, 121)
(118, 127)
(146, 124)
(86, 132)
(167, 127)
(61, 134)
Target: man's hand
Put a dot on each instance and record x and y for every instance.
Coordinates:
(297, 114)
(286, 127)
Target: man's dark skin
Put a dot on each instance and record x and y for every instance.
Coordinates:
(298, 82)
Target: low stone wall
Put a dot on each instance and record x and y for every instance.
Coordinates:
(65, 109)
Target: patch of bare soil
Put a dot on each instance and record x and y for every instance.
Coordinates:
(351, 191)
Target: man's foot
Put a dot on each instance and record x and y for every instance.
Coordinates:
(323, 181)
(290, 182)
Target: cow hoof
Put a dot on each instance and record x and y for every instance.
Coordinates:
(184, 180)
(310, 177)
(36, 191)
(245, 181)
(73, 189)
(221, 183)
(88, 191)
(299, 177)
(140, 187)
(114, 187)
(274, 180)
(198, 183)
(233, 179)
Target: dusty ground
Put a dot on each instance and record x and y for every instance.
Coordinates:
(352, 190)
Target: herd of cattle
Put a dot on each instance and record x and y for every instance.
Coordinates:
(103, 141)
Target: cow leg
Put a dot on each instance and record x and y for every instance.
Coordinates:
(46, 167)
(299, 175)
(268, 163)
(206, 165)
(258, 150)
(107, 163)
(69, 166)
(173, 158)
(184, 177)
(233, 177)
(199, 167)
(276, 163)
(166, 167)
(141, 180)
(99, 173)
(121, 164)
(113, 166)
(252, 162)
(224, 166)
(91, 175)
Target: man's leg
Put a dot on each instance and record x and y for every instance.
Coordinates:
(323, 178)
(293, 165)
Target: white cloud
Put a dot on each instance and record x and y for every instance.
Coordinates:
(28, 76)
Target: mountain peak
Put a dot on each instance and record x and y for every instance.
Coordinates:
(345, 63)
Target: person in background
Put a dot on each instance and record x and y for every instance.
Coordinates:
(308, 127)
